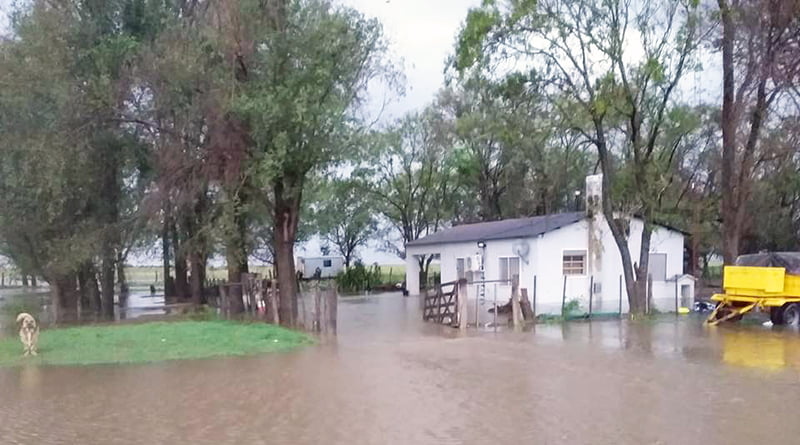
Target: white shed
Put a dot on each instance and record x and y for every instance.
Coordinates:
(329, 266)
(565, 254)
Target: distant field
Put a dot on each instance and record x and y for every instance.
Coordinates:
(147, 275)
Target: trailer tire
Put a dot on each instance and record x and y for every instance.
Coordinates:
(776, 315)
(791, 315)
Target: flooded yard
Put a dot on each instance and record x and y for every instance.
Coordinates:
(390, 379)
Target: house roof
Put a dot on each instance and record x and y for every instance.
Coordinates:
(505, 229)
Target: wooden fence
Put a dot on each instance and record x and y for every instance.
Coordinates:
(260, 298)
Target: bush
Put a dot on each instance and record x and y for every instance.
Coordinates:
(572, 307)
(359, 278)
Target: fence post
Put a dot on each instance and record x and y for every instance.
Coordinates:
(676, 296)
(564, 298)
(620, 296)
(527, 311)
(591, 294)
(223, 294)
(274, 301)
(477, 307)
(332, 301)
(461, 295)
(316, 324)
(516, 314)
(533, 308)
(494, 322)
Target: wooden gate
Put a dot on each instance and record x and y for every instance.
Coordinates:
(441, 304)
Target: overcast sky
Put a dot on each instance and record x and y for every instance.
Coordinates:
(422, 34)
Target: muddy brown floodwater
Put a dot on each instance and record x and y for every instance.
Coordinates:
(390, 379)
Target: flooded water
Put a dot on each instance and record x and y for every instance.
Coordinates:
(390, 379)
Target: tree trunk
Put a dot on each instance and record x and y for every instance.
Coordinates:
(89, 290)
(110, 235)
(64, 295)
(124, 290)
(85, 302)
(236, 256)
(169, 287)
(635, 288)
(286, 217)
(24, 280)
(181, 280)
(731, 233)
(107, 283)
(33, 280)
(198, 277)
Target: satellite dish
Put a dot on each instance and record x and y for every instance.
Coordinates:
(521, 249)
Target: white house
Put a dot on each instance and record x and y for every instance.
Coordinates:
(329, 266)
(556, 256)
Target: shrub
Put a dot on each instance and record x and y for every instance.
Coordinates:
(359, 278)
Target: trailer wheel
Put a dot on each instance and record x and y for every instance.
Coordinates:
(776, 315)
(791, 315)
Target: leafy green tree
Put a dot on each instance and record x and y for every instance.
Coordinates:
(308, 64)
(412, 179)
(511, 148)
(69, 65)
(345, 218)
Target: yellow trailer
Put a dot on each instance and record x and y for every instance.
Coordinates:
(769, 282)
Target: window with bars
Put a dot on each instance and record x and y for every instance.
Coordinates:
(509, 267)
(574, 262)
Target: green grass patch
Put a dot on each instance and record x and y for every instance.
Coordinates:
(152, 342)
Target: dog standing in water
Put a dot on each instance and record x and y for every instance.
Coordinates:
(28, 333)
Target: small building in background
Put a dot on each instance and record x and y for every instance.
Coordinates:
(329, 266)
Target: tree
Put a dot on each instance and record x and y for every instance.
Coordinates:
(68, 65)
(345, 217)
(510, 146)
(761, 64)
(308, 65)
(412, 180)
(614, 66)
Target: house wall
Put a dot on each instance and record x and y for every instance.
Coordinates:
(545, 262)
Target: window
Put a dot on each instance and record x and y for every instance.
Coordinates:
(463, 265)
(508, 268)
(657, 266)
(326, 263)
(574, 262)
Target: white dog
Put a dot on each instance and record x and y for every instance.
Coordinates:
(28, 332)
